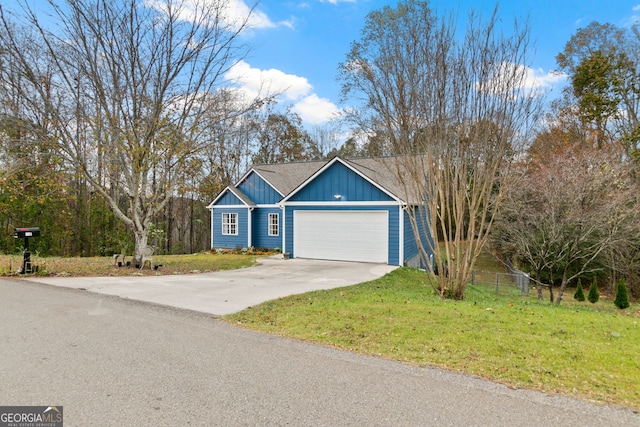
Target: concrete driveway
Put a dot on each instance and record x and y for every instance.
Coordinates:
(226, 292)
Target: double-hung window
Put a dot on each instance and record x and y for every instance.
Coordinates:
(230, 224)
(274, 229)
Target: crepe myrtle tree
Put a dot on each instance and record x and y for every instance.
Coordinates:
(127, 85)
(453, 109)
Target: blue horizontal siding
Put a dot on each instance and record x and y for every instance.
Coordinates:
(259, 191)
(340, 180)
(221, 241)
(260, 228)
(393, 226)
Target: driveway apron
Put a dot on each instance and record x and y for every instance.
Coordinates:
(225, 292)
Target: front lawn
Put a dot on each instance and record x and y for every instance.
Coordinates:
(583, 350)
(104, 266)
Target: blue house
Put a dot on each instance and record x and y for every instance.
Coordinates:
(346, 210)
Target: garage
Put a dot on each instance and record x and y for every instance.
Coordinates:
(342, 235)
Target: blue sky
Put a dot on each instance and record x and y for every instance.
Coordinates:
(298, 44)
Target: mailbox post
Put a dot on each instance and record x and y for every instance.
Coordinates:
(20, 233)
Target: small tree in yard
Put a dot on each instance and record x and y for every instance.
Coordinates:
(622, 298)
(579, 295)
(593, 296)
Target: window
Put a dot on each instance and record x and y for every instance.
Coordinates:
(274, 229)
(230, 224)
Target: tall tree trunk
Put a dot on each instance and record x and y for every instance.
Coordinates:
(191, 226)
(563, 286)
(141, 241)
(169, 213)
(539, 285)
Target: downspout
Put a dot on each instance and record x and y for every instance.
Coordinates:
(401, 210)
(249, 214)
(211, 209)
(284, 228)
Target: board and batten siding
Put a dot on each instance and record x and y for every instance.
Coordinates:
(259, 191)
(339, 180)
(229, 199)
(239, 241)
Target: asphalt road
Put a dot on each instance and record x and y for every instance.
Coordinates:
(115, 362)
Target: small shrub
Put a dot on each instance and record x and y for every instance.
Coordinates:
(594, 295)
(622, 298)
(579, 295)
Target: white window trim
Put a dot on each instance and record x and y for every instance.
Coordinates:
(270, 224)
(230, 224)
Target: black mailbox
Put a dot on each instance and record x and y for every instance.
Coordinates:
(20, 233)
(25, 233)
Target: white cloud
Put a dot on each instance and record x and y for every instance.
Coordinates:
(315, 110)
(539, 79)
(338, 1)
(235, 13)
(532, 82)
(253, 82)
(238, 11)
(634, 18)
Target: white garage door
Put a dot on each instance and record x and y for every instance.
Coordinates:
(341, 235)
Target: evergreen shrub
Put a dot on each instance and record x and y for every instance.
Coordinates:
(594, 295)
(579, 295)
(622, 298)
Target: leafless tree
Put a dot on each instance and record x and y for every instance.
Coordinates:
(326, 138)
(138, 77)
(570, 213)
(455, 110)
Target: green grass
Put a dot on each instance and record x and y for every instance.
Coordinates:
(104, 266)
(583, 350)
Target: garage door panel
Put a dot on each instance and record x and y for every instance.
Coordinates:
(342, 235)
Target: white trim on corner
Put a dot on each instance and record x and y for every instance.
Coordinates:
(401, 235)
(249, 226)
(342, 204)
(284, 229)
(212, 228)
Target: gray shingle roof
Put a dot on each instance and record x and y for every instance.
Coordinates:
(240, 195)
(380, 171)
(286, 177)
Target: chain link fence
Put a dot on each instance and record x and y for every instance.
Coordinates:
(515, 283)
